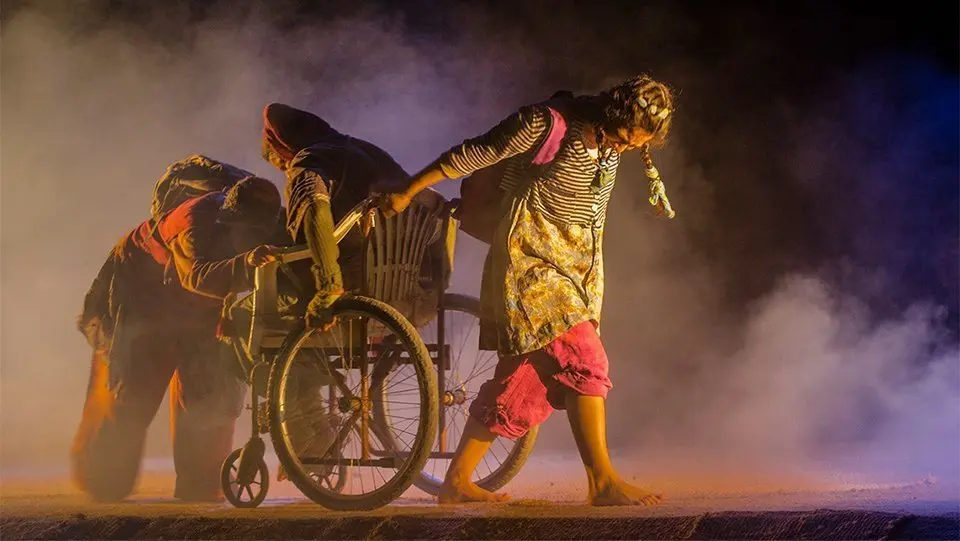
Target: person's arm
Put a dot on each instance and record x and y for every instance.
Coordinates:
(96, 303)
(199, 273)
(513, 135)
(319, 228)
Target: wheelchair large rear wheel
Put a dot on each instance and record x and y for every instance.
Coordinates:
(321, 403)
(467, 369)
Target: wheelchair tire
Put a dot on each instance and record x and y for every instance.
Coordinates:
(228, 484)
(506, 468)
(411, 465)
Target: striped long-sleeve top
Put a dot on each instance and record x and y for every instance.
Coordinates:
(544, 272)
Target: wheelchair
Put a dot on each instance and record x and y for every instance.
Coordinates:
(361, 412)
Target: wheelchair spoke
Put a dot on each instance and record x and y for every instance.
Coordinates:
(327, 399)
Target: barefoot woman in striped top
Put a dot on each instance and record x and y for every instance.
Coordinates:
(543, 278)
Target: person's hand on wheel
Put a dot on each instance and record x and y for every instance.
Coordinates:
(261, 255)
(392, 204)
(322, 320)
(93, 331)
(320, 310)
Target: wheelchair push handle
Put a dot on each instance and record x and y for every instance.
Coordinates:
(287, 254)
(354, 215)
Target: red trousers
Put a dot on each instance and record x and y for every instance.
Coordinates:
(123, 396)
(525, 389)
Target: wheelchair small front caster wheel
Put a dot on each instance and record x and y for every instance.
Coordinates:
(244, 495)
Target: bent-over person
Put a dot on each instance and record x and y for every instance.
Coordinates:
(160, 297)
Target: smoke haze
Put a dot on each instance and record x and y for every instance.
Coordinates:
(802, 307)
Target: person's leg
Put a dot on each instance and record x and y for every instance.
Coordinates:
(350, 258)
(123, 395)
(587, 416)
(307, 417)
(289, 298)
(309, 425)
(457, 485)
(508, 405)
(206, 398)
(579, 384)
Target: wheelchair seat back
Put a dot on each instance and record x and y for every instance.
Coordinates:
(395, 250)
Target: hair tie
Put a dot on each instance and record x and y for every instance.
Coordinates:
(652, 109)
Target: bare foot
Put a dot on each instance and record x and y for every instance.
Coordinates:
(282, 474)
(619, 492)
(467, 492)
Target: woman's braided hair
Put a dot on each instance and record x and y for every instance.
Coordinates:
(643, 103)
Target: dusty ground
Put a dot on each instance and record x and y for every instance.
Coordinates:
(547, 506)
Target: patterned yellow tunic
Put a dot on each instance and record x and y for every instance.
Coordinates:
(544, 271)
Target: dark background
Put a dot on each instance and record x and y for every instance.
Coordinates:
(748, 73)
(806, 293)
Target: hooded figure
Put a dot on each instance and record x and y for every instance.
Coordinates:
(328, 173)
(151, 316)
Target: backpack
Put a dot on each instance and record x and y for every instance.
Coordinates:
(481, 204)
(189, 178)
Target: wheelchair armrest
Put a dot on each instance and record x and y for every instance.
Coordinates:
(265, 277)
(265, 314)
(287, 255)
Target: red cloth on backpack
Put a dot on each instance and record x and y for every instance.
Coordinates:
(481, 198)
